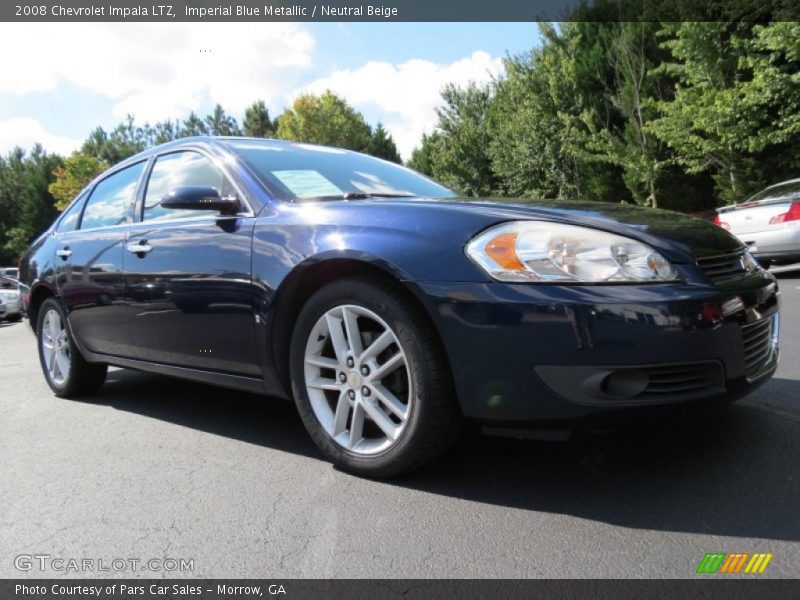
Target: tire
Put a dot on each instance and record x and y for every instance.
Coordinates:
(81, 377)
(399, 414)
(764, 263)
(15, 319)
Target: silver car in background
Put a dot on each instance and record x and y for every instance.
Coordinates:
(768, 222)
(11, 298)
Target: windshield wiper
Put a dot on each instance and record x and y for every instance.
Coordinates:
(358, 196)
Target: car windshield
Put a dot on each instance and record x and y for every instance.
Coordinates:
(295, 171)
(784, 191)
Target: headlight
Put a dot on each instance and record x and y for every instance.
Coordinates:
(542, 251)
(750, 262)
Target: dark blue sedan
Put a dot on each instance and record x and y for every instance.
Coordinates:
(387, 308)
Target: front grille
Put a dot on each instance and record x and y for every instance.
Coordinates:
(683, 381)
(759, 344)
(723, 267)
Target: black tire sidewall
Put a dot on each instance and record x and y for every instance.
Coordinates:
(47, 305)
(400, 455)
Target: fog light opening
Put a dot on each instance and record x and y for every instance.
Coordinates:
(621, 384)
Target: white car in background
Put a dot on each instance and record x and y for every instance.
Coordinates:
(12, 272)
(768, 222)
(2, 309)
(11, 298)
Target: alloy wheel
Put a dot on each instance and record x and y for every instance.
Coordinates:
(357, 379)
(55, 346)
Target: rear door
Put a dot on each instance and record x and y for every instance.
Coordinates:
(188, 275)
(90, 242)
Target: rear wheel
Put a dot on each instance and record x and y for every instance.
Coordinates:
(67, 373)
(370, 380)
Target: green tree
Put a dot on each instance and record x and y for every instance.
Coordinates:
(422, 157)
(382, 145)
(221, 123)
(78, 170)
(17, 239)
(536, 146)
(459, 154)
(325, 119)
(620, 134)
(38, 204)
(735, 107)
(192, 126)
(163, 132)
(257, 122)
(26, 206)
(125, 140)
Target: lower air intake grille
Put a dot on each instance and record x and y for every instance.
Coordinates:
(683, 381)
(759, 344)
(646, 384)
(723, 267)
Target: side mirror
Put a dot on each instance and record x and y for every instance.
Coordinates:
(199, 197)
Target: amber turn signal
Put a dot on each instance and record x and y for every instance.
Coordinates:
(501, 250)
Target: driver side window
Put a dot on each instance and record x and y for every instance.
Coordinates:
(175, 170)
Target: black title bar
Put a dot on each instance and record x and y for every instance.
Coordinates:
(398, 10)
(402, 589)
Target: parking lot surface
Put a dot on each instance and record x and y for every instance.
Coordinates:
(154, 468)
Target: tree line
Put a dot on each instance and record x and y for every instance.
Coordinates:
(35, 186)
(678, 115)
(686, 116)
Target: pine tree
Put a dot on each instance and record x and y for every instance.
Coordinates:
(257, 122)
(381, 145)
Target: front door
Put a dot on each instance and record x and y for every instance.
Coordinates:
(188, 286)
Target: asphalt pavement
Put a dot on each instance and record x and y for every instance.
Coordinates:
(155, 468)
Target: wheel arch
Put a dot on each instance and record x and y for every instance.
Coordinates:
(308, 278)
(38, 294)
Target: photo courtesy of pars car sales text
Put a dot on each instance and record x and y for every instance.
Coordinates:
(153, 590)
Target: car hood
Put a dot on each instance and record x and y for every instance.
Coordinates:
(676, 235)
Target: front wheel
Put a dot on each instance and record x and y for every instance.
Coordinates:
(66, 371)
(370, 379)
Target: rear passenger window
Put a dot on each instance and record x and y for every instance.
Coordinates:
(111, 202)
(175, 170)
(69, 222)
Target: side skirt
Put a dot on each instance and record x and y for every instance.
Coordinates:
(242, 383)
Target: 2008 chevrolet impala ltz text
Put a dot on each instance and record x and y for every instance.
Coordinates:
(390, 310)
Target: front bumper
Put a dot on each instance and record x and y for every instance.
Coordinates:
(521, 353)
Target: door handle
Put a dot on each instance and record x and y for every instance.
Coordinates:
(64, 253)
(139, 248)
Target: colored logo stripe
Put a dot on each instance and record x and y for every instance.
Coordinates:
(711, 562)
(722, 562)
(758, 563)
(734, 562)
